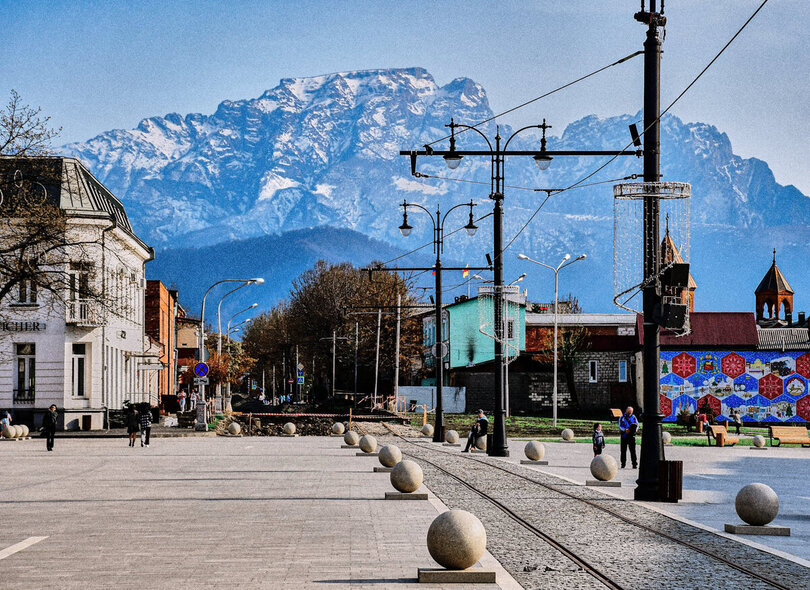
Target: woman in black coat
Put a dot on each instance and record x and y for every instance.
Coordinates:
(49, 421)
(132, 424)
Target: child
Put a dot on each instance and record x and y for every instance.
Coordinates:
(598, 439)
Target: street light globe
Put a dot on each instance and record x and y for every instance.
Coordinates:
(254, 305)
(257, 281)
(452, 161)
(567, 257)
(471, 228)
(523, 257)
(405, 229)
(582, 257)
(542, 161)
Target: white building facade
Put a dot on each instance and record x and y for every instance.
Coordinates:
(85, 350)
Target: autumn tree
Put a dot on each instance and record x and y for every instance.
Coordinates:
(571, 341)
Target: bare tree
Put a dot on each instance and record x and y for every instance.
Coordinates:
(23, 129)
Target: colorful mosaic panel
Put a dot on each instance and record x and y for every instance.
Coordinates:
(764, 386)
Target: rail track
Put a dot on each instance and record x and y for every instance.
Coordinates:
(561, 547)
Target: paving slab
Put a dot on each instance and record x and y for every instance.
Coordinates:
(259, 512)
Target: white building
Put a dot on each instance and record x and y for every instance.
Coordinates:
(86, 350)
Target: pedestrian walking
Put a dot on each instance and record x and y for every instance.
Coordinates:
(598, 439)
(5, 420)
(146, 425)
(193, 399)
(478, 429)
(737, 420)
(628, 425)
(133, 423)
(181, 399)
(49, 421)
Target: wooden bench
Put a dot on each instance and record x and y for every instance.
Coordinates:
(616, 413)
(721, 436)
(796, 435)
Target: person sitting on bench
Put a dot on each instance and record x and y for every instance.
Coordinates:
(478, 429)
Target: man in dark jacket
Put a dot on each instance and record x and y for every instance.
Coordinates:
(628, 425)
(479, 429)
(49, 421)
(146, 425)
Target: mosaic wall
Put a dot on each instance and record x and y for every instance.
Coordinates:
(765, 386)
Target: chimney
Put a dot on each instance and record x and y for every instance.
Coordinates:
(802, 320)
(789, 319)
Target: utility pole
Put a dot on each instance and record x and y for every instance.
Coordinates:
(356, 348)
(284, 373)
(297, 387)
(377, 361)
(264, 391)
(274, 384)
(334, 342)
(396, 355)
(652, 451)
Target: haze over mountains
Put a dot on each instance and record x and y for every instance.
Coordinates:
(322, 152)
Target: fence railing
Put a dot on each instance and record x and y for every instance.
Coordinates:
(24, 396)
(84, 312)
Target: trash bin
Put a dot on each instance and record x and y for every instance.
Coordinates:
(670, 481)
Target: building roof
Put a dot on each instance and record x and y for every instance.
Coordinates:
(581, 319)
(66, 183)
(774, 280)
(783, 339)
(712, 329)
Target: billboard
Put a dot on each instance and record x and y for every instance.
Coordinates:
(764, 386)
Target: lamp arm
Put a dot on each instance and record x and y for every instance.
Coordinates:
(417, 205)
(444, 218)
(511, 137)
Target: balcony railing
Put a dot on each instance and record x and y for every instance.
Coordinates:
(24, 396)
(83, 312)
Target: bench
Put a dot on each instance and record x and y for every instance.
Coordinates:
(796, 435)
(721, 436)
(616, 413)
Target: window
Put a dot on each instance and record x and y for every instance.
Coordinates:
(510, 329)
(78, 369)
(25, 373)
(27, 292)
(79, 281)
(622, 371)
(592, 374)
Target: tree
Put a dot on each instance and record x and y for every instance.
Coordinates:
(570, 342)
(24, 132)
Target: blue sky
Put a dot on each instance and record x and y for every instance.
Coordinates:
(95, 66)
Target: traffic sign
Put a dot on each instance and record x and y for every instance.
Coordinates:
(201, 369)
(290, 381)
(300, 381)
(300, 366)
(200, 380)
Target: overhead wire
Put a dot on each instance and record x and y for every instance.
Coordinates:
(665, 111)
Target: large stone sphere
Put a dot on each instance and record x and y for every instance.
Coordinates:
(757, 504)
(456, 539)
(390, 455)
(25, 430)
(759, 441)
(351, 438)
(368, 444)
(666, 437)
(289, 428)
(427, 430)
(19, 430)
(234, 428)
(567, 434)
(534, 450)
(451, 436)
(9, 432)
(481, 443)
(604, 467)
(407, 476)
(338, 428)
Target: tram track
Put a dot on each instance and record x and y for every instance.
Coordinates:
(561, 547)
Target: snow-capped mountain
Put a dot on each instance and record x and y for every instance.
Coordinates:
(324, 151)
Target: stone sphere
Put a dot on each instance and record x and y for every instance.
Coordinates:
(604, 467)
(234, 428)
(351, 438)
(481, 443)
(757, 504)
(25, 430)
(456, 539)
(427, 430)
(759, 440)
(19, 430)
(534, 450)
(451, 436)
(338, 428)
(390, 455)
(9, 432)
(666, 437)
(407, 476)
(368, 444)
(567, 434)
(289, 428)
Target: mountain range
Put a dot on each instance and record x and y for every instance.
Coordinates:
(312, 168)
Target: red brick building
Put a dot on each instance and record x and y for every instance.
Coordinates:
(162, 310)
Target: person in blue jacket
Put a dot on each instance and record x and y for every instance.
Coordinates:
(628, 425)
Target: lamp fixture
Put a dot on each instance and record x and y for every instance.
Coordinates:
(453, 159)
(543, 160)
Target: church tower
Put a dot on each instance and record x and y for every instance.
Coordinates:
(772, 294)
(670, 253)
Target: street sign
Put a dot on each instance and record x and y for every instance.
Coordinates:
(445, 349)
(200, 380)
(300, 366)
(290, 381)
(201, 369)
(300, 380)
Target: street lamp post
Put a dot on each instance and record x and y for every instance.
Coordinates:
(565, 262)
(202, 422)
(497, 155)
(438, 246)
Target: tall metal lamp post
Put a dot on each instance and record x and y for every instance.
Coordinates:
(438, 246)
(497, 155)
(566, 261)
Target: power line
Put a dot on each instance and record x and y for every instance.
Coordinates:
(665, 111)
